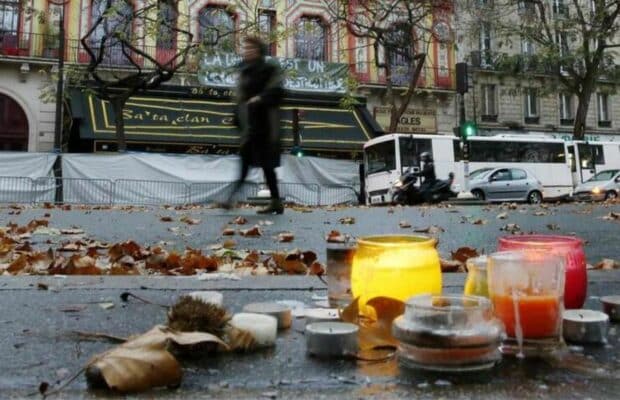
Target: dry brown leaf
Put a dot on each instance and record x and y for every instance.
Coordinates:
(240, 220)
(72, 231)
(612, 216)
(286, 237)
(351, 312)
(316, 268)
(252, 232)
(512, 228)
(189, 220)
(347, 220)
(607, 264)
(335, 237)
(553, 227)
(144, 362)
(229, 244)
(166, 218)
(404, 224)
(502, 215)
(228, 232)
(451, 265)
(540, 213)
(479, 221)
(462, 254)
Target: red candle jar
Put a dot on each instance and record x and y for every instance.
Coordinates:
(570, 247)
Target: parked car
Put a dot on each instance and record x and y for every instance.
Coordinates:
(506, 184)
(603, 186)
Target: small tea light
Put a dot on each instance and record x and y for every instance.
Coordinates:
(611, 306)
(209, 297)
(322, 315)
(331, 339)
(585, 326)
(263, 328)
(281, 312)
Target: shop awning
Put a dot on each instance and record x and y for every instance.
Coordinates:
(176, 116)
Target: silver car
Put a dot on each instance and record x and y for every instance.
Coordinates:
(603, 186)
(506, 184)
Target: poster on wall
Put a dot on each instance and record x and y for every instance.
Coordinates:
(414, 120)
(219, 70)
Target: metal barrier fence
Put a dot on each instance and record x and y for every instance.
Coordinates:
(147, 192)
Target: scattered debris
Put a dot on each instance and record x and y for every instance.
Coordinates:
(252, 232)
(503, 215)
(347, 220)
(286, 237)
(404, 224)
(240, 220)
(511, 228)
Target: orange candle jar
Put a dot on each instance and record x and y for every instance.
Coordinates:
(526, 289)
(398, 266)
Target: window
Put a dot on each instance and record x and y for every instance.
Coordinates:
(518, 174)
(604, 119)
(398, 44)
(566, 109)
(381, 157)
(590, 152)
(527, 8)
(485, 44)
(9, 17)
(489, 105)
(166, 35)
(217, 29)
(560, 8)
(410, 150)
(527, 47)
(51, 37)
(501, 175)
(116, 28)
(267, 28)
(311, 39)
(604, 176)
(562, 44)
(531, 105)
(510, 151)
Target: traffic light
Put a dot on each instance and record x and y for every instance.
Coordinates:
(468, 129)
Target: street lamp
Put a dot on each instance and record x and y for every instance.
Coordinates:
(61, 73)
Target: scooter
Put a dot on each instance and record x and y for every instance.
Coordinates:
(404, 190)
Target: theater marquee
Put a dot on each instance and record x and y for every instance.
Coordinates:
(412, 121)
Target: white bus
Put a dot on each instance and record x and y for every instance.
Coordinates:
(557, 164)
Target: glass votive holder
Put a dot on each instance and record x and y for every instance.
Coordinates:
(339, 261)
(526, 289)
(576, 282)
(394, 266)
(476, 283)
(448, 333)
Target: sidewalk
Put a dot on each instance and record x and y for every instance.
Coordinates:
(35, 326)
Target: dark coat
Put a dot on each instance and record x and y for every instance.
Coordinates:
(259, 122)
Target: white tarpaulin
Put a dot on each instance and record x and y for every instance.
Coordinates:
(26, 177)
(151, 178)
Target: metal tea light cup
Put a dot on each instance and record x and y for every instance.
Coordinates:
(526, 289)
(339, 261)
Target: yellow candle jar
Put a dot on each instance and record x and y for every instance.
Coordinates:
(396, 266)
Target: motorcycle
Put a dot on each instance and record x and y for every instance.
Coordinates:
(405, 191)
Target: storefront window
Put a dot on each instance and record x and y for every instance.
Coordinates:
(217, 29)
(310, 39)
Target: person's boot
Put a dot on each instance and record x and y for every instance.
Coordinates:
(274, 207)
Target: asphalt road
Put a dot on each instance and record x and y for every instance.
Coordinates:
(310, 228)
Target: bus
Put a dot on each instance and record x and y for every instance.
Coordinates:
(559, 165)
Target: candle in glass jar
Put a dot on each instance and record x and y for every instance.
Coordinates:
(538, 314)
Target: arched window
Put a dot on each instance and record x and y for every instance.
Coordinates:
(217, 29)
(167, 19)
(114, 28)
(311, 39)
(399, 49)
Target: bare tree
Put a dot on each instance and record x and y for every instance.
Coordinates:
(571, 43)
(398, 32)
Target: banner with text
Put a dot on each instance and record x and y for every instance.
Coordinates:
(301, 75)
(412, 121)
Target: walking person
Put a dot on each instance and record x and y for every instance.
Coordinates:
(260, 92)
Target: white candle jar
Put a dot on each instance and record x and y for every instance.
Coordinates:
(448, 333)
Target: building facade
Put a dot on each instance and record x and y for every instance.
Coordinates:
(500, 102)
(29, 53)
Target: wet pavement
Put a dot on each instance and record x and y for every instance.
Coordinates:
(36, 326)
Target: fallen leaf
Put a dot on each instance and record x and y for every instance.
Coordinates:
(252, 232)
(451, 265)
(347, 220)
(106, 306)
(540, 213)
(479, 221)
(316, 268)
(286, 237)
(612, 216)
(144, 362)
(166, 218)
(433, 229)
(607, 264)
(502, 215)
(189, 221)
(462, 254)
(229, 244)
(404, 224)
(335, 237)
(553, 227)
(351, 312)
(42, 286)
(240, 220)
(512, 228)
(72, 231)
(228, 232)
